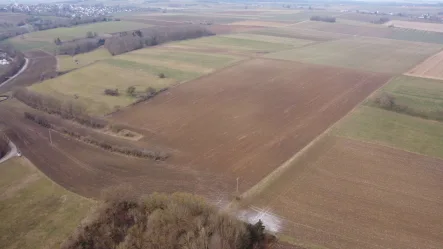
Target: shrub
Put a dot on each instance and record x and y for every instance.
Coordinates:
(111, 92)
(131, 91)
(161, 75)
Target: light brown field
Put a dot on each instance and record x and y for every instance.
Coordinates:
(246, 120)
(259, 23)
(434, 27)
(350, 194)
(430, 68)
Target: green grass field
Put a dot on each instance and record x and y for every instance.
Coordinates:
(67, 62)
(45, 39)
(299, 33)
(370, 54)
(89, 83)
(274, 39)
(393, 129)
(35, 212)
(418, 93)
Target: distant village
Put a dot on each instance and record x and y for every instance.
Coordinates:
(67, 10)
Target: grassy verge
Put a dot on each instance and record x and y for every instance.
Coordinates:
(35, 212)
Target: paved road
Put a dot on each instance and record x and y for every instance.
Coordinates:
(17, 74)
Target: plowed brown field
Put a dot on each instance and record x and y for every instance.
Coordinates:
(430, 68)
(244, 121)
(351, 194)
(87, 170)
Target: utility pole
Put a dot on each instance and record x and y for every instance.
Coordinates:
(237, 183)
(50, 137)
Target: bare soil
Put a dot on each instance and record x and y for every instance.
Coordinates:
(352, 194)
(87, 170)
(245, 121)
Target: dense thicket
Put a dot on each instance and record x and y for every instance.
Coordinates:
(323, 18)
(4, 145)
(67, 109)
(388, 102)
(18, 60)
(127, 41)
(382, 20)
(162, 221)
(80, 45)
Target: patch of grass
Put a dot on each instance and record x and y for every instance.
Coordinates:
(35, 212)
(274, 39)
(235, 44)
(66, 62)
(87, 84)
(204, 60)
(370, 54)
(418, 93)
(393, 129)
(170, 73)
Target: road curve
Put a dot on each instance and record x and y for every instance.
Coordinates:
(17, 74)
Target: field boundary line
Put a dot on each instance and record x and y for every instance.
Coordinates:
(268, 180)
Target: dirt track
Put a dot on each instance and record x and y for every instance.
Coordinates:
(351, 194)
(246, 120)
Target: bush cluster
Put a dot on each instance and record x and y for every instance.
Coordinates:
(161, 221)
(65, 109)
(150, 93)
(387, 102)
(111, 92)
(323, 18)
(131, 151)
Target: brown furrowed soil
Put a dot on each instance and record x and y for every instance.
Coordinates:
(433, 27)
(430, 68)
(244, 121)
(351, 194)
(39, 63)
(87, 170)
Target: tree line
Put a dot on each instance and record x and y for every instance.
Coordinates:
(124, 42)
(323, 18)
(161, 221)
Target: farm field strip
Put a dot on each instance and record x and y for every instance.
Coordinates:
(36, 212)
(375, 31)
(372, 54)
(67, 62)
(229, 117)
(273, 39)
(433, 27)
(430, 68)
(344, 192)
(393, 129)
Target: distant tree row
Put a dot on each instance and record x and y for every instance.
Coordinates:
(79, 45)
(323, 18)
(128, 41)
